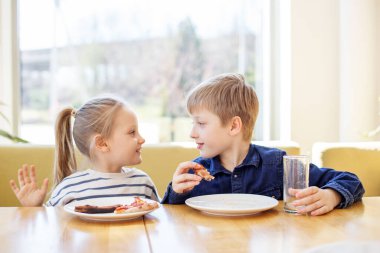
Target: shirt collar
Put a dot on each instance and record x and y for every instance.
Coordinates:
(252, 159)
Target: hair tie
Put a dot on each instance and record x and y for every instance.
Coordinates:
(73, 113)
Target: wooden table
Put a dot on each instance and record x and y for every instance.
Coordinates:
(39, 229)
(178, 228)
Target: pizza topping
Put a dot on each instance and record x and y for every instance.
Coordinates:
(138, 205)
(202, 172)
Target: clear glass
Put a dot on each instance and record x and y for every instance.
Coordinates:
(151, 53)
(296, 176)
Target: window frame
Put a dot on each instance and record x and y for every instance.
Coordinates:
(9, 66)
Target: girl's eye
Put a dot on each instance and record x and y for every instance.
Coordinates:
(132, 132)
(201, 123)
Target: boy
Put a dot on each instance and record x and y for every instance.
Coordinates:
(224, 110)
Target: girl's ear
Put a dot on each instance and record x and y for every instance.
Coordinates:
(236, 125)
(101, 144)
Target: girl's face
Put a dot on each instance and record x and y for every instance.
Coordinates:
(125, 141)
(211, 137)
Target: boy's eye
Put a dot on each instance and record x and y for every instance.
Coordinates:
(132, 132)
(199, 123)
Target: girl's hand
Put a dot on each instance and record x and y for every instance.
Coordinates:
(29, 194)
(315, 200)
(182, 181)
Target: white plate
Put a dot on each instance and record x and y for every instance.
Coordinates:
(232, 204)
(106, 202)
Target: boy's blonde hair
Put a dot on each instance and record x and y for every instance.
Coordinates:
(227, 96)
(94, 117)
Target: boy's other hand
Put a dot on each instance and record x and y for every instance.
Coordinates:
(28, 192)
(316, 201)
(182, 180)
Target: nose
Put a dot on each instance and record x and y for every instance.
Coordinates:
(141, 140)
(193, 133)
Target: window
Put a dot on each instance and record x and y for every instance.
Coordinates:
(151, 53)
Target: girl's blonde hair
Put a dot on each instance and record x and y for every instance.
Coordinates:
(227, 96)
(94, 117)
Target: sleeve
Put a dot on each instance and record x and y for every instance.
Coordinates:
(171, 197)
(52, 201)
(151, 189)
(58, 196)
(346, 184)
(55, 196)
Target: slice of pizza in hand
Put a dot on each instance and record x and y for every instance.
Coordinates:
(202, 172)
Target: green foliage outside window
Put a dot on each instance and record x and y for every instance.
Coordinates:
(7, 135)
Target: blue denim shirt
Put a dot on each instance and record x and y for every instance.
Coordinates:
(261, 172)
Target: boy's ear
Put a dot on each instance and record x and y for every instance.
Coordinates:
(236, 125)
(101, 144)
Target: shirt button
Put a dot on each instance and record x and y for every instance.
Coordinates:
(235, 176)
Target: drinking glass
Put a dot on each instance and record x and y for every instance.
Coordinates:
(296, 176)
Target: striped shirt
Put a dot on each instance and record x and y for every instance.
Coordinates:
(90, 184)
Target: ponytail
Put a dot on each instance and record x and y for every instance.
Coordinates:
(64, 163)
(94, 117)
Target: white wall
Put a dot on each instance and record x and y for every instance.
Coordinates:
(1, 57)
(315, 71)
(358, 49)
(378, 58)
(335, 74)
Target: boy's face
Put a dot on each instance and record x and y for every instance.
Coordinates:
(211, 137)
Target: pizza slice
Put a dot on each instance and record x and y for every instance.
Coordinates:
(202, 172)
(95, 209)
(139, 205)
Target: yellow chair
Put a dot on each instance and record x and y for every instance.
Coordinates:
(159, 162)
(360, 158)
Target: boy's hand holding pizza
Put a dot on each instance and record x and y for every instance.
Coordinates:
(183, 181)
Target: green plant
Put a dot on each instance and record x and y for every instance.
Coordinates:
(7, 135)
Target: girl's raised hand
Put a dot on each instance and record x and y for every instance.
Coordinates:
(182, 180)
(28, 192)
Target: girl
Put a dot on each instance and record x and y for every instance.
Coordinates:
(105, 131)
